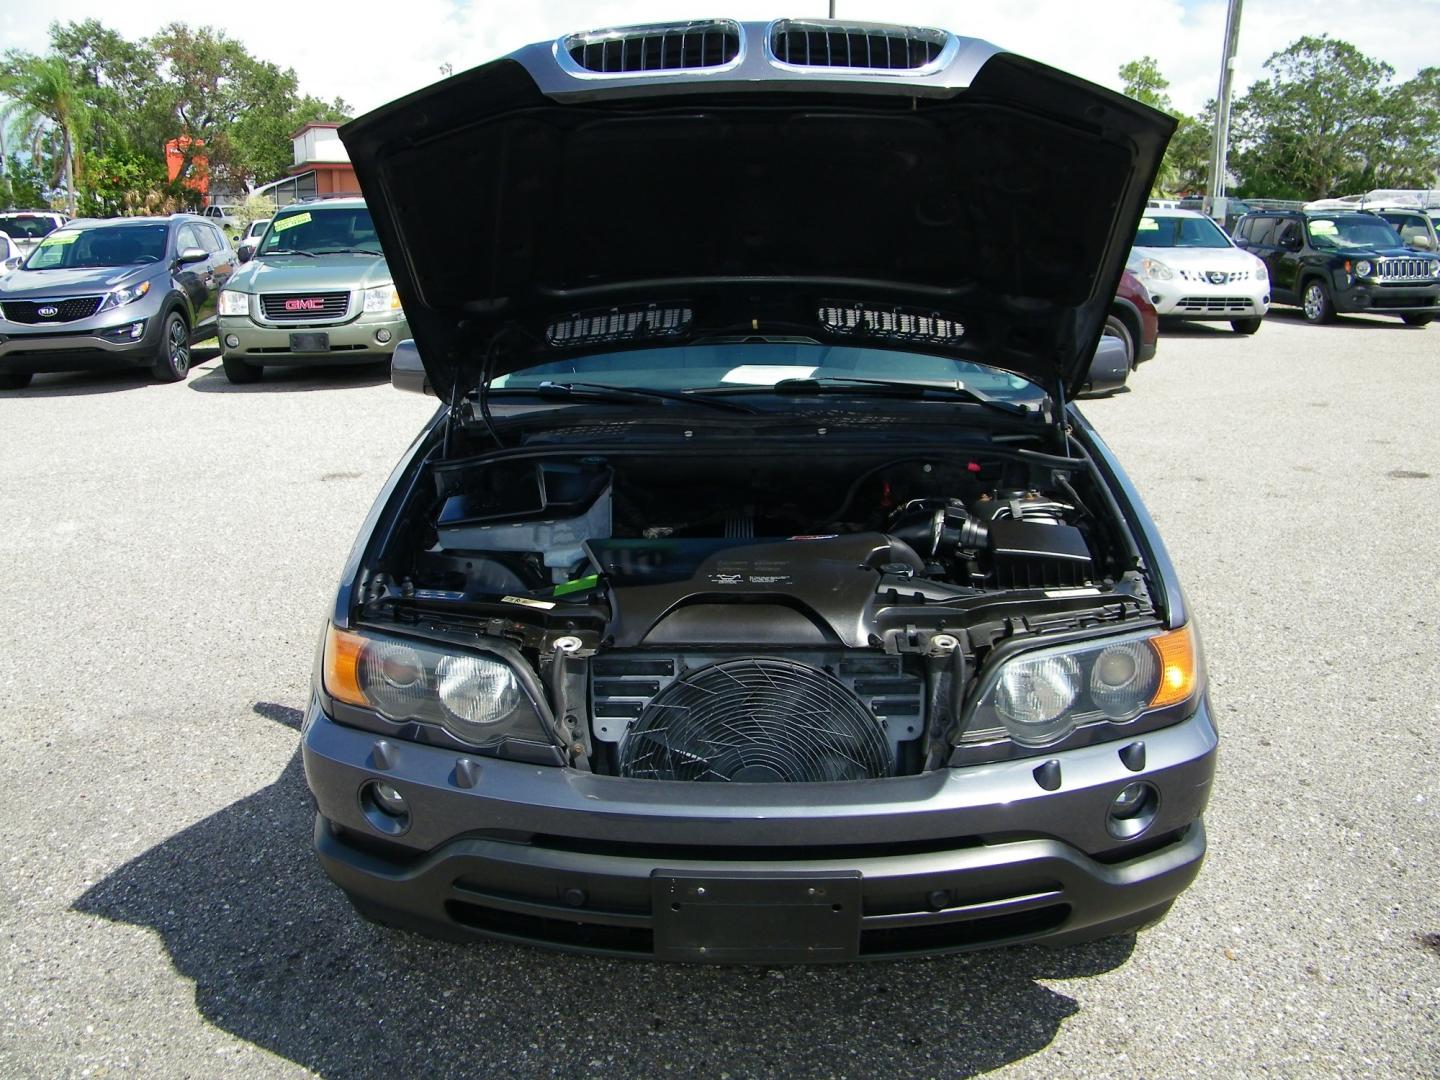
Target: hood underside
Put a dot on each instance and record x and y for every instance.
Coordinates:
(979, 205)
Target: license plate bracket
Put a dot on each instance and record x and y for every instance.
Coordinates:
(309, 342)
(744, 917)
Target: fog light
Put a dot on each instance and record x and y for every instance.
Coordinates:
(382, 335)
(384, 807)
(1133, 810)
(232, 341)
(137, 330)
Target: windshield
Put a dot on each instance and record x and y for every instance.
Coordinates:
(28, 227)
(764, 363)
(1366, 232)
(1180, 232)
(113, 245)
(321, 231)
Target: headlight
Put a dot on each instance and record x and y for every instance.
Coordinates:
(477, 697)
(1363, 268)
(234, 303)
(121, 297)
(1262, 272)
(382, 298)
(1039, 697)
(1155, 270)
(1435, 269)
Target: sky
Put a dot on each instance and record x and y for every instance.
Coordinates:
(370, 53)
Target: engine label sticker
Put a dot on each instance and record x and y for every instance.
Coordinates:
(1060, 594)
(290, 222)
(750, 573)
(525, 601)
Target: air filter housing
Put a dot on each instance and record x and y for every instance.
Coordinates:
(756, 720)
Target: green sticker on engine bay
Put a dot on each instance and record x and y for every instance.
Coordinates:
(578, 585)
(291, 221)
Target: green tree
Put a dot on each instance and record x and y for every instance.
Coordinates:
(1184, 167)
(119, 80)
(1328, 120)
(1145, 84)
(23, 186)
(43, 94)
(234, 109)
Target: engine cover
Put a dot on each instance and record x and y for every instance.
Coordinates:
(800, 590)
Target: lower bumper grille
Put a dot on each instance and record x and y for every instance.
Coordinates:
(1205, 304)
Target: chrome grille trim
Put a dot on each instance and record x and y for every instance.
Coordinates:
(1207, 277)
(1403, 270)
(334, 306)
(806, 43)
(701, 45)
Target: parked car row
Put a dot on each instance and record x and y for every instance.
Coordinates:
(139, 292)
(1324, 260)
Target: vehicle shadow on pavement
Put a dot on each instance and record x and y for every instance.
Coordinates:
(107, 381)
(288, 380)
(278, 958)
(1342, 322)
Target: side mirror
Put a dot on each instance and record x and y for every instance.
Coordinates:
(245, 254)
(14, 264)
(1109, 366)
(192, 255)
(407, 372)
(1290, 242)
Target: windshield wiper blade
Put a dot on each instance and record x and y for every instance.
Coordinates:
(289, 251)
(349, 251)
(955, 391)
(632, 393)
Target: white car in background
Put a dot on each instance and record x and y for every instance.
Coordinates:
(1192, 270)
(245, 249)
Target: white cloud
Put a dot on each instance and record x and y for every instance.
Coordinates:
(371, 53)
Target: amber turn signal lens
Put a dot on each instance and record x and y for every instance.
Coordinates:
(1179, 667)
(342, 666)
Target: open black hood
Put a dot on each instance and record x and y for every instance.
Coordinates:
(897, 186)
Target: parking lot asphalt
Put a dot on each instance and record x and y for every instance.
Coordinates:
(168, 553)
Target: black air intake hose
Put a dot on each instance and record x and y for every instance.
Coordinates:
(938, 529)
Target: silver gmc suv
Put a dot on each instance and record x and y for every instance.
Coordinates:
(317, 291)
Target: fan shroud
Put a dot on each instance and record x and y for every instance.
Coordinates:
(757, 720)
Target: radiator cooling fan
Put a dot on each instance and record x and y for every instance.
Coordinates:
(756, 721)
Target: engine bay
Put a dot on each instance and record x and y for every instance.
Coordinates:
(746, 618)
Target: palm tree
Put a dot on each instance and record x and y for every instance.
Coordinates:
(42, 95)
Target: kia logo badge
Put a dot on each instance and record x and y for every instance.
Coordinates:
(47, 311)
(313, 303)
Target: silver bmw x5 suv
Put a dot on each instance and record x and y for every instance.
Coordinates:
(758, 593)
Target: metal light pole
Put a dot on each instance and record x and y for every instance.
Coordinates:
(1220, 145)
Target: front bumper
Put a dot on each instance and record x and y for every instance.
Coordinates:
(1200, 300)
(349, 342)
(951, 860)
(1381, 298)
(101, 341)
